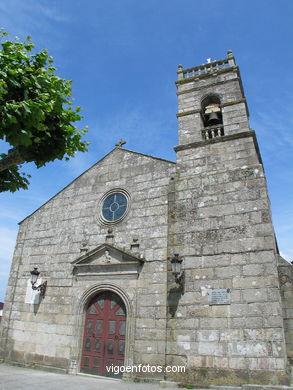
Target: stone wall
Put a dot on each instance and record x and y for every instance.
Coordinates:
(286, 286)
(225, 84)
(68, 225)
(221, 225)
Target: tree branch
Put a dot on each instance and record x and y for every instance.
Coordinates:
(11, 159)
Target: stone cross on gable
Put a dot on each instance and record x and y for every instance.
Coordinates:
(120, 143)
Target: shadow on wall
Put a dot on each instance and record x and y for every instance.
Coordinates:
(173, 298)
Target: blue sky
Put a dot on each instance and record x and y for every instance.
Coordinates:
(122, 56)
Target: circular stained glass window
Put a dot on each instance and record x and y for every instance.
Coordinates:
(114, 207)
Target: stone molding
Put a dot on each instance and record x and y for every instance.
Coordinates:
(80, 318)
(212, 84)
(189, 112)
(208, 74)
(244, 134)
(107, 261)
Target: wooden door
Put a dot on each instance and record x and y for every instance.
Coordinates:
(104, 335)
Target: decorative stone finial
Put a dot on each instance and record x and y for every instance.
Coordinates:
(120, 143)
(180, 72)
(135, 244)
(110, 236)
(231, 58)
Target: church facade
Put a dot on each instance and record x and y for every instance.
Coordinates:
(144, 262)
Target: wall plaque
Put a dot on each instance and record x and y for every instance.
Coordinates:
(219, 296)
(33, 296)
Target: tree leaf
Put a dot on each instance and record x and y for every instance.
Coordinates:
(36, 114)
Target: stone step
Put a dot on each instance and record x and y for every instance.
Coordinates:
(226, 387)
(266, 387)
(252, 387)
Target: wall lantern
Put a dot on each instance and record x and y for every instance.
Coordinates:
(34, 277)
(177, 271)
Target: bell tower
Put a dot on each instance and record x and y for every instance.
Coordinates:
(211, 101)
(226, 321)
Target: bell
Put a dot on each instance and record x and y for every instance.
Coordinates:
(213, 119)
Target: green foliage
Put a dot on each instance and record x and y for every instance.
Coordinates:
(12, 180)
(36, 113)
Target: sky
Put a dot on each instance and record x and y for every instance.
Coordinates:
(122, 56)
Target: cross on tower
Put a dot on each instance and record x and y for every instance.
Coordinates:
(120, 143)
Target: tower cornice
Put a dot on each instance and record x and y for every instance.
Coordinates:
(225, 138)
(206, 70)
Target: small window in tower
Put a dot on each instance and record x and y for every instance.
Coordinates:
(212, 114)
(212, 117)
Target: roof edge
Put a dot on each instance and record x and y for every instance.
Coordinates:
(148, 155)
(92, 166)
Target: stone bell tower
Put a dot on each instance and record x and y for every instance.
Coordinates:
(211, 101)
(226, 324)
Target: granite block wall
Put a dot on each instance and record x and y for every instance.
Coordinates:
(68, 226)
(222, 227)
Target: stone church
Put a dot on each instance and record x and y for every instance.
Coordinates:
(142, 262)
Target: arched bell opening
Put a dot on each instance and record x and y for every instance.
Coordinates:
(212, 118)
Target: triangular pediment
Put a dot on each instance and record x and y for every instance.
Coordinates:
(107, 260)
(107, 159)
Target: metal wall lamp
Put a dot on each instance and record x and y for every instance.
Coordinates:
(177, 271)
(34, 277)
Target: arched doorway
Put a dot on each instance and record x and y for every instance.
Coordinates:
(104, 335)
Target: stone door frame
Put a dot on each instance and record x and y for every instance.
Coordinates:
(129, 334)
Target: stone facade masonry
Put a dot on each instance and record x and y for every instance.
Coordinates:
(55, 235)
(211, 207)
(286, 282)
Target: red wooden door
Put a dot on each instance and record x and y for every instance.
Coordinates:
(104, 335)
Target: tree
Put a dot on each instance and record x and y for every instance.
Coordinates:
(36, 112)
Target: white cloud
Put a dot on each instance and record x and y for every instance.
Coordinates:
(80, 163)
(24, 10)
(7, 214)
(285, 228)
(275, 126)
(7, 243)
(288, 255)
